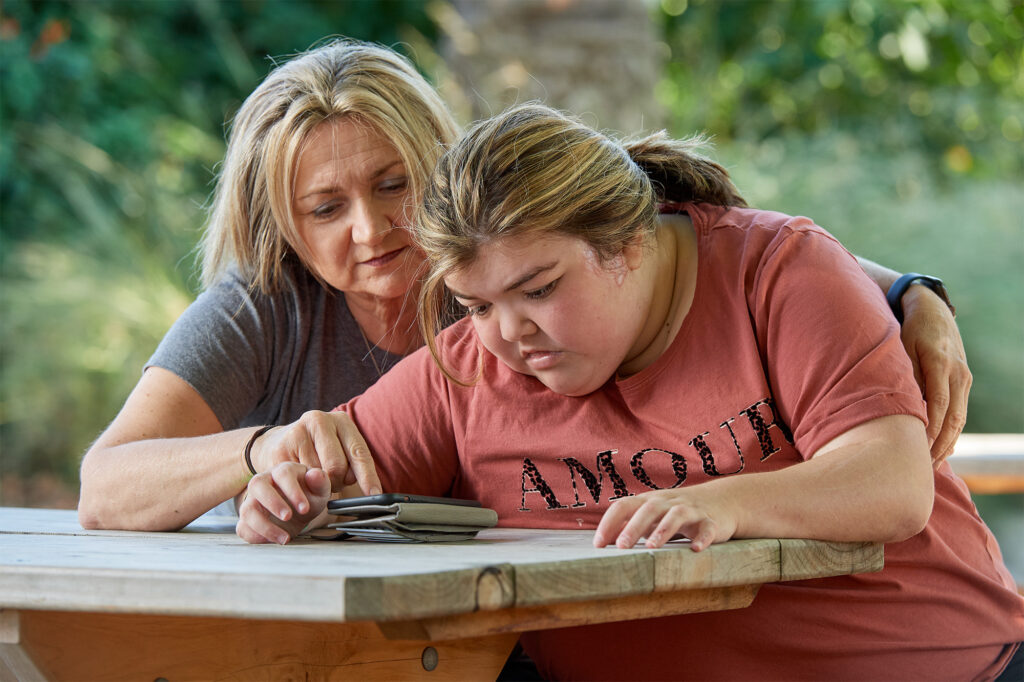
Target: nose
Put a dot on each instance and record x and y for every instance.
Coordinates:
(369, 222)
(515, 326)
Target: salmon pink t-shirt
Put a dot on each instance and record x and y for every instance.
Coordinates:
(786, 346)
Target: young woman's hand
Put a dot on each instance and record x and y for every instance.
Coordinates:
(320, 440)
(933, 343)
(280, 503)
(664, 514)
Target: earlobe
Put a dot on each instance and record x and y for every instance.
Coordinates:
(633, 253)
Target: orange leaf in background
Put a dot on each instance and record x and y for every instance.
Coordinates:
(54, 31)
(9, 28)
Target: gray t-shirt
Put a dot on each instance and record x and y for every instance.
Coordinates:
(258, 359)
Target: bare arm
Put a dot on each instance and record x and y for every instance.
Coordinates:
(879, 274)
(162, 462)
(165, 460)
(873, 483)
(932, 340)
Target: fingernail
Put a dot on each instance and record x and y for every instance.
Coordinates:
(303, 507)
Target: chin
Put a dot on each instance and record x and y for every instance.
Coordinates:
(571, 391)
(394, 285)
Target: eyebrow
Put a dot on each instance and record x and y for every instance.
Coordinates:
(331, 189)
(516, 284)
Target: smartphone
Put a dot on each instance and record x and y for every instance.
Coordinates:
(395, 498)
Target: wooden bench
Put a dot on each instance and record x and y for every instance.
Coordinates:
(990, 463)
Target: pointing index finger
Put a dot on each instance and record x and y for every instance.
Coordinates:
(361, 466)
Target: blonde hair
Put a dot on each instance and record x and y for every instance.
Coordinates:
(533, 170)
(250, 222)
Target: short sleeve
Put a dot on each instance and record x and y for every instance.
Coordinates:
(831, 346)
(221, 347)
(406, 419)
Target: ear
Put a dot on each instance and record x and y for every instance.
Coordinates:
(633, 252)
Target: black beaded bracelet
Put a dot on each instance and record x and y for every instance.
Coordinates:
(248, 446)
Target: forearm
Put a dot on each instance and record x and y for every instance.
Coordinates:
(879, 274)
(879, 489)
(160, 483)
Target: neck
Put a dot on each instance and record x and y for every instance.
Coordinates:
(673, 272)
(389, 324)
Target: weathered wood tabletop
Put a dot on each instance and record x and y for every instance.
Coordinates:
(202, 603)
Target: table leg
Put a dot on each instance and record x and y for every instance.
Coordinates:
(15, 663)
(106, 646)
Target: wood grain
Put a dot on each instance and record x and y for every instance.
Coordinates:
(15, 662)
(47, 563)
(737, 562)
(802, 559)
(203, 604)
(430, 594)
(612, 575)
(115, 647)
(574, 613)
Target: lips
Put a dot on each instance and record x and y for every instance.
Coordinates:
(383, 259)
(541, 359)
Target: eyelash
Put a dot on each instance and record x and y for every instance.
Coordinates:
(325, 210)
(535, 295)
(543, 292)
(397, 186)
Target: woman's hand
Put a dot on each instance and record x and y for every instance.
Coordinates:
(320, 440)
(662, 515)
(280, 503)
(936, 350)
(872, 483)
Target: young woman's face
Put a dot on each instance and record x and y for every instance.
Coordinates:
(551, 309)
(349, 205)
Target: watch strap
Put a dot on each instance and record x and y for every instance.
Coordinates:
(894, 296)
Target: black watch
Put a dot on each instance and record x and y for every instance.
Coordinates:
(895, 294)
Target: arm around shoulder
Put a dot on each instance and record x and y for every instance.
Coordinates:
(932, 340)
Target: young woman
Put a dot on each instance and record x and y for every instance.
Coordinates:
(644, 355)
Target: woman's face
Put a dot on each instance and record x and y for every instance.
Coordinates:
(349, 205)
(551, 309)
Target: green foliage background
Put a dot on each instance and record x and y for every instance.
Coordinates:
(896, 125)
(112, 118)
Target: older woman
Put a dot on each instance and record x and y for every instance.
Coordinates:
(310, 289)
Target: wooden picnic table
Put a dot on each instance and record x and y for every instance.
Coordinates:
(203, 604)
(990, 463)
